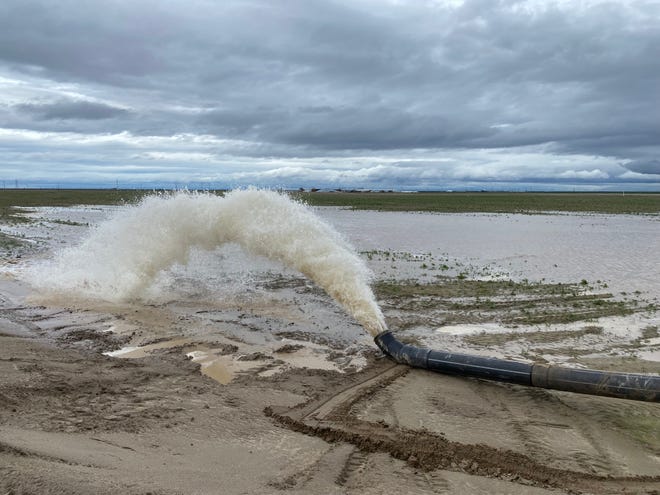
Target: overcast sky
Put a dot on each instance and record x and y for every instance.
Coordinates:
(444, 94)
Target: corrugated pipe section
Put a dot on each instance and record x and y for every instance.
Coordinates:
(624, 385)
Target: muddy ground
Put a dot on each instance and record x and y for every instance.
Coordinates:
(76, 421)
(252, 394)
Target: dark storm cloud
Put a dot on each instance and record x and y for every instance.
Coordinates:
(100, 41)
(644, 167)
(71, 109)
(306, 77)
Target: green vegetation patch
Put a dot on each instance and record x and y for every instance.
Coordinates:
(643, 427)
(69, 197)
(448, 287)
(490, 339)
(9, 243)
(11, 215)
(487, 202)
(69, 222)
(10, 199)
(460, 300)
(625, 364)
(650, 332)
(455, 202)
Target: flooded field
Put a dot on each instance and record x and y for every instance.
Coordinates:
(175, 377)
(620, 250)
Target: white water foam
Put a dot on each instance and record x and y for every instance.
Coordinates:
(121, 257)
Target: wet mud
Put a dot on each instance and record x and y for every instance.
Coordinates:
(429, 451)
(303, 430)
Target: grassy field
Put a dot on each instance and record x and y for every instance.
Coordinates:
(490, 202)
(644, 203)
(10, 198)
(531, 310)
(68, 197)
(463, 301)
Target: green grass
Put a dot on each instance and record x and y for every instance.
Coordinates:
(537, 337)
(447, 287)
(460, 300)
(28, 198)
(632, 203)
(68, 197)
(650, 332)
(8, 243)
(69, 222)
(642, 426)
(647, 203)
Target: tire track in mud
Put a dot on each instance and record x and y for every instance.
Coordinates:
(324, 473)
(534, 445)
(12, 450)
(355, 464)
(585, 418)
(531, 401)
(601, 415)
(384, 402)
(604, 461)
(331, 419)
(433, 482)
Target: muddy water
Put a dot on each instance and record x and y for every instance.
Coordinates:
(621, 250)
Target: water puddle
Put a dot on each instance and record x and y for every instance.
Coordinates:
(652, 355)
(308, 358)
(222, 369)
(134, 352)
(468, 329)
(263, 361)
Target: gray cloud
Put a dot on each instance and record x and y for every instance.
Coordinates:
(71, 109)
(321, 78)
(644, 167)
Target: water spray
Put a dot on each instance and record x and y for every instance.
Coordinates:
(122, 257)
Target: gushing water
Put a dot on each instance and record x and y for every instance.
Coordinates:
(121, 257)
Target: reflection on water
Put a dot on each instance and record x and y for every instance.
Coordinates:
(621, 250)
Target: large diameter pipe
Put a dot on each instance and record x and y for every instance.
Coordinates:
(624, 385)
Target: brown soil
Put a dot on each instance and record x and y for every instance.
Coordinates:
(73, 420)
(429, 451)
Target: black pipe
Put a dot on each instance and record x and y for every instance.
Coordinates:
(624, 385)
